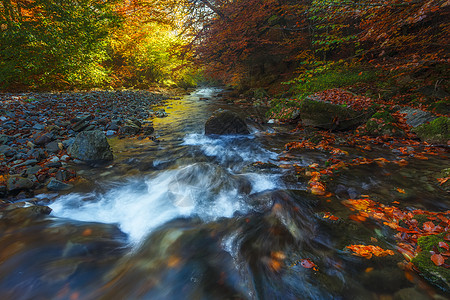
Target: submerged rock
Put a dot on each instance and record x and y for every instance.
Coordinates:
(91, 146)
(225, 122)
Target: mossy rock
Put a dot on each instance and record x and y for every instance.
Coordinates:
(326, 115)
(382, 123)
(436, 132)
(436, 275)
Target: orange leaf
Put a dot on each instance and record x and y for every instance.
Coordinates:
(437, 259)
(306, 263)
(402, 191)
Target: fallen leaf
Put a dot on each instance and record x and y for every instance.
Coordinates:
(444, 245)
(306, 263)
(437, 259)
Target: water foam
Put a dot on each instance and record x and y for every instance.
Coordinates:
(139, 206)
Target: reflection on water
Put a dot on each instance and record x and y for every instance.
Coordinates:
(199, 217)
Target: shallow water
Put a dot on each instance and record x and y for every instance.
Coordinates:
(192, 217)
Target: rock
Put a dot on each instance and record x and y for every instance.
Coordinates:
(61, 175)
(21, 215)
(410, 294)
(82, 123)
(382, 123)
(56, 185)
(435, 132)
(148, 130)
(4, 139)
(110, 132)
(161, 113)
(4, 149)
(52, 147)
(90, 146)
(129, 130)
(225, 122)
(416, 117)
(33, 170)
(56, 164)
(44, 139)
(27, 163)
(17, 183)
(326, 115)
(436, 275)
(113, 126)
(39, 127)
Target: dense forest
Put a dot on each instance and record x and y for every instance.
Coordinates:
(247, 43)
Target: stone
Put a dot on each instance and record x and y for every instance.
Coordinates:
(56, 185)
(416, 117)
(29, 162)
(129, 130)
(17, 183)
(52, 147)
(161, 113)
(4, 139)
(62, 175)
(33, 170)
(435, 132)
(148, 130)
(91, 146)
(39, 127)
(326, 115)
(409, 294)
(225, 122)
(44, 139)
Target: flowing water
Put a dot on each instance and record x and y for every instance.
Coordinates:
(191, 216)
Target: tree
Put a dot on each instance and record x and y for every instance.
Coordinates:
(59, 43)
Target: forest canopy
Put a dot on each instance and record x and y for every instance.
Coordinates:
(250, 43)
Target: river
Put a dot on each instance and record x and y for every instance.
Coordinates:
(190, 216)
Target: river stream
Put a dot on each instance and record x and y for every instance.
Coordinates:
(190, 216)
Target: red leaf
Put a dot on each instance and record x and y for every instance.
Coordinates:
(428, 226)
(437, 259)
(444, 245)
(447, 237)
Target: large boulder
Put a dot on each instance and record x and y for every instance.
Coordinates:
(91, 146)
(225, 122)
(326, 115)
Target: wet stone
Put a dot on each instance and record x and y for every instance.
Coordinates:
(17, 183)
(56, 185)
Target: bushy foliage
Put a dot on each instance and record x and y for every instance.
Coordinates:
(47, 43)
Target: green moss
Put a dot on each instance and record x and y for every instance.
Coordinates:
(382, 123)
(421, 219)
(437, 275)
(437, 131)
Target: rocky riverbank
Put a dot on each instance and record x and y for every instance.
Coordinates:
(38, 129)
